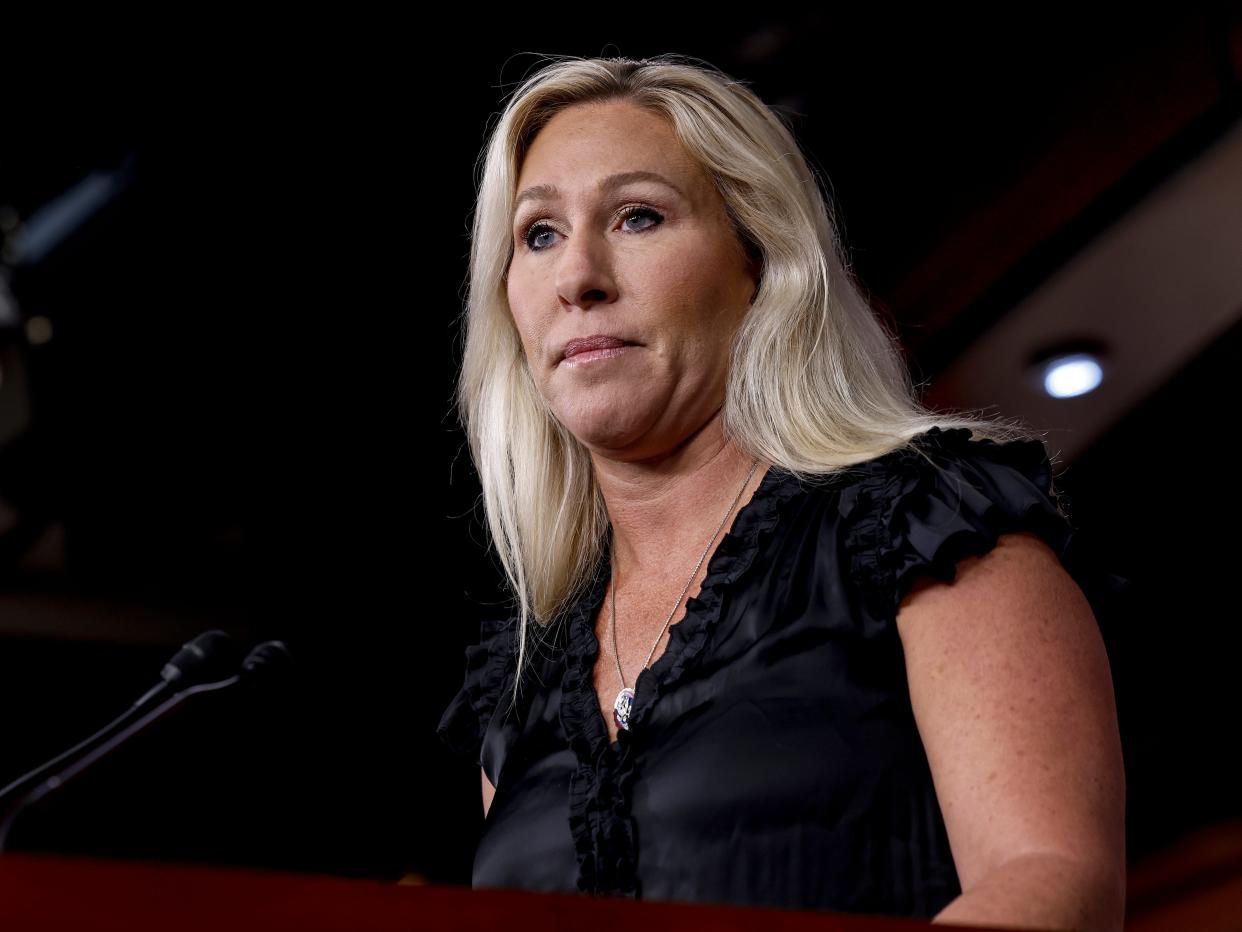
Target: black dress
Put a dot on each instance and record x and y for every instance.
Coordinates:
(773, 757)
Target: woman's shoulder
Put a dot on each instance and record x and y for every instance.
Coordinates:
(468, 714)
(920, 509)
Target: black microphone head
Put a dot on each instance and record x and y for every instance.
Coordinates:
(269, 669)
(265, 655)
(212, 655)
(268, 659)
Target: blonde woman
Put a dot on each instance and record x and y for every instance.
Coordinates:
(781, 636)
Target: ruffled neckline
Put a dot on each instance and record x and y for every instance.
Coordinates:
(600, 787)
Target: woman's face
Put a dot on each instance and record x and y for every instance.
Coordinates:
(600, 251)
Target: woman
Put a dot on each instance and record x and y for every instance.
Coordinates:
(884, 692)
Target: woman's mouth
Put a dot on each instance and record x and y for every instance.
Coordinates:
(592, 355)
(588, 349)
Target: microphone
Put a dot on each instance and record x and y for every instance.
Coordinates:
(193, 670)
(209, 656)
(269, 663)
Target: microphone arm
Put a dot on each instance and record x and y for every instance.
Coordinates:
(205, 657)
(14, 808)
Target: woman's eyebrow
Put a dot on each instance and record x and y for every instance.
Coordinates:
(547, 192)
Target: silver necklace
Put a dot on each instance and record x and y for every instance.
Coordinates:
(624, 703)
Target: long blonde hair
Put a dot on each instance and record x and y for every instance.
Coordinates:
(817, 382)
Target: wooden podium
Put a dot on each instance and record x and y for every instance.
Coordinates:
(41, 893)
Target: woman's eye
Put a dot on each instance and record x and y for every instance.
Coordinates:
(631, 213)
(540, 228)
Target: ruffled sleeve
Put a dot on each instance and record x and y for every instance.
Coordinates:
(466, 719)
(906, 517)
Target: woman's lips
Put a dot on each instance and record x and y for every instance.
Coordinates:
(591, 355)
(593, 347)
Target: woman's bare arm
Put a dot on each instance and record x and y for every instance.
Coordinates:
(488, 792)
(1013, 697)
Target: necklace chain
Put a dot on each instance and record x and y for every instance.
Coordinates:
(624, 703)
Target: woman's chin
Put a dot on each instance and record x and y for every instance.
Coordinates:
(608, 432)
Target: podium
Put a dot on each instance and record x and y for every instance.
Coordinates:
(47, 893)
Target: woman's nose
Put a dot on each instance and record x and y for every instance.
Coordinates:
(583, 272)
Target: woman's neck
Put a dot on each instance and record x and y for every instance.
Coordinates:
(664, 510)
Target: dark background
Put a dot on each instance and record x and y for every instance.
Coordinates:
(243, 419)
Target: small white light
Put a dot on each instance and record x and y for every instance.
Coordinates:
(1073, 375)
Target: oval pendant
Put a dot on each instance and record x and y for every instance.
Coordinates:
(621, 708)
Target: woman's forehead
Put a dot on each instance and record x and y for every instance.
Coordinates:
(604, 185)
(606, 135)
(598, 148)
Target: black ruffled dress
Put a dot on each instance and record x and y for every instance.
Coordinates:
(773, 757)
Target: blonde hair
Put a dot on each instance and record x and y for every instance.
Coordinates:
(817, 383)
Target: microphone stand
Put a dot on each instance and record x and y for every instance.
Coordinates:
(14, 807)
(202, 658)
